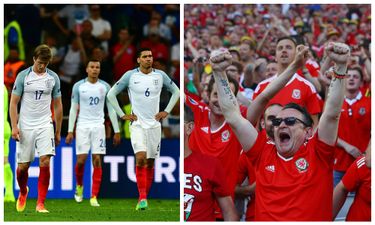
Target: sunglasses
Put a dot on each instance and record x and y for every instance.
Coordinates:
(289, 121)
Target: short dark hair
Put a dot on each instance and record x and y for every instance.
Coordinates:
(92, 60)
(307, 117)
(287, 38)
(230, 79)
(188, 114)
(139, 53)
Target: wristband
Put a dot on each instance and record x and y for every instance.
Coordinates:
(338, 76)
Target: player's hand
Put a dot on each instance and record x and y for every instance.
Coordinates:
(16, 134)
(116, 139)
(352, 150)
(69, 138)
(339, 53)
(57, 139)
(220, 59)
(131, 117)
(161, 115)
(302, 54)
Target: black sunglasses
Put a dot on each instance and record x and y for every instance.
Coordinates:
(289, 121)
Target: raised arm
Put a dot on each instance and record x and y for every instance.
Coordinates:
(256, 109)
(244, 130)
(339, 53)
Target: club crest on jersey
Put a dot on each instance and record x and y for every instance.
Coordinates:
(225, 136)
(302, 165)
(362, 111)
(156, 82)
(49, 83)
(296, 94)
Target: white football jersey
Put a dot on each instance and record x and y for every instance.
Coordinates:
(91, 99)
(36, 93)
(144, 93)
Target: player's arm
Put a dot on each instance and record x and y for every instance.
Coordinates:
(113, 117)
(74, 105)
(13, 113)
(56, 94)
(174, 90)
(114, 91)
(256, 109)
(13, 106)
(58, 119)
(339, 197)
(243, 129)
(227, 208)
(328, 125)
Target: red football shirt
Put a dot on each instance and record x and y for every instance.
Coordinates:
(358, 178)
(221, 143)
(204, 180)
(246, 169)
(355, 119)
(298, 90)
(295, 189)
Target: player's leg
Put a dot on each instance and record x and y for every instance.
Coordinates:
(22, 177)
(98, 149)
(45, 147)
(80, 169)
(149, 174)
(153, 152)
(138, 141)
(96, 179)
(82, 150)
(25, 153)
(8, 174)
(43, 182)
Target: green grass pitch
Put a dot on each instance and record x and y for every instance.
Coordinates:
(109, 210)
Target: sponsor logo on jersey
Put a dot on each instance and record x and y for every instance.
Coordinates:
(362, 111)
(225, 136)
(205, 129)
(271, 168)
(137, 82)
(302, 165)
(296, 94)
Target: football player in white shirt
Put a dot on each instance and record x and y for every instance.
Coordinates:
(89, 96)
(33, 128)
(144, 86)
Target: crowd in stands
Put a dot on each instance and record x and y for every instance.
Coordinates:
(76, 33)
(252, 33)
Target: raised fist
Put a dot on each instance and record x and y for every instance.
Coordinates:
(302, 54)
(338, 53)
(220, 59)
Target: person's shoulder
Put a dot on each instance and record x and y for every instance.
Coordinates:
(159, 72)
(52, 73)
(303, 81)
(25, 71)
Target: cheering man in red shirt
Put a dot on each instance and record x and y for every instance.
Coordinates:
(293, 174)
(298, 89)
(204, 182)
(355, 119)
